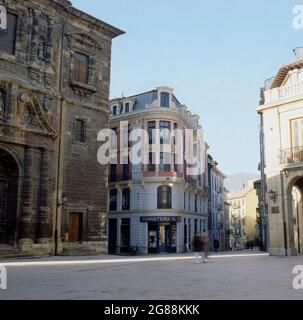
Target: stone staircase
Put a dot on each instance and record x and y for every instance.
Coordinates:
(88, 249)
(10, 252)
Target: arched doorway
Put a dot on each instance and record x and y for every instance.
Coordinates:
(297, 214)
(9, 175)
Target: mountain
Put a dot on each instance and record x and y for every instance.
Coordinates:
(236, 182)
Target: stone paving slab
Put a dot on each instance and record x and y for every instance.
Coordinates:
(237, 277)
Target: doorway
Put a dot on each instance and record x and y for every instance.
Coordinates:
(112, 236)
(75, 226)
(9, 178)
(162, 237)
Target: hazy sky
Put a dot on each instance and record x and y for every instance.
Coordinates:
(215, 54)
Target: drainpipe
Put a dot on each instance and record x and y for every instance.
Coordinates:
(264, 226)
(60, 144)
(284, 212)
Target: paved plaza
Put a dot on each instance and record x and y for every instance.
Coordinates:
(177, 277)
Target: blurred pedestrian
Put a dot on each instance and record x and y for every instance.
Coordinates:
(200, 244)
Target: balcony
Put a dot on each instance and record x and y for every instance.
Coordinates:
(285, 92)
(291, 155)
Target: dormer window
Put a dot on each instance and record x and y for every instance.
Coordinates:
(121, 109)
(164, 103)
(127, 107)
(114, 110)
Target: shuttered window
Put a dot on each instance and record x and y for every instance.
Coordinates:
(81, 67)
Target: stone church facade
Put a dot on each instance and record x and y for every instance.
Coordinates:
(54, 91)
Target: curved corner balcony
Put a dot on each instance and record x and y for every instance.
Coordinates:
(285, 92)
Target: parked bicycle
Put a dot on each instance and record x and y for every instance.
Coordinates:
(135, 251)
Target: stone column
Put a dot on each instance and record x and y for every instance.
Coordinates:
(44, 217)
(26, 217)
(291, 248)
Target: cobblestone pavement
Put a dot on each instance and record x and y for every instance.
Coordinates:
(154, 278)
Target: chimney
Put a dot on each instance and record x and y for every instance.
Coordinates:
(298, 53)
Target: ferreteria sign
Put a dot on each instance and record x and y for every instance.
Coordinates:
(3, 18)
(161, 219)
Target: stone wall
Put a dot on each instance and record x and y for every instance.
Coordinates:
(42, 101)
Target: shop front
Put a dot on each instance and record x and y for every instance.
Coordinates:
(162, 234)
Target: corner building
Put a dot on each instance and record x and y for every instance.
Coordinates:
(157, 207)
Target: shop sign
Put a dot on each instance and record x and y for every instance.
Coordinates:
(161, 219)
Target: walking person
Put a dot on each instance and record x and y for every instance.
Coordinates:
(200, 248)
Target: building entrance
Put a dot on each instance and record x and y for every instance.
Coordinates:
(162, 237)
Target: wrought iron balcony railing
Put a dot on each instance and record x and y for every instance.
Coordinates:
(291, 155)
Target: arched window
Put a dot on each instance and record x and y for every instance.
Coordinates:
(164, 197)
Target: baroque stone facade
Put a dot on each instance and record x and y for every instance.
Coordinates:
(54, 91)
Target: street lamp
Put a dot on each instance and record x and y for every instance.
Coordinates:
(272, 195)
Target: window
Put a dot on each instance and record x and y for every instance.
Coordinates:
(113, 200)
(126, 173)
(114, 110)
(164, 197)
(2, 103)
(175, 163)
(126, 199)
(297, 133)
(125, 235)
(8, 36)
(113, 173)
(164, 100)
(164, 132)
(127, 107)
(151, 162)
(151, 132)
(189, 202)
(80, 130)
(184, 200)
(81, 62)
(196, 203)
(164, 162)
(175, 133)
